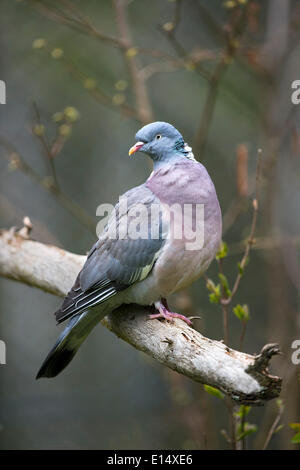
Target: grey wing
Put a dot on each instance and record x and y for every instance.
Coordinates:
(124, 254)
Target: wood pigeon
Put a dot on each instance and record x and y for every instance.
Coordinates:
(127, 266)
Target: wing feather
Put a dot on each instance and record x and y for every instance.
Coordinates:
(113, 264)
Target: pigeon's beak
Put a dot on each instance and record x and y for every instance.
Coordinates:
(136, 147)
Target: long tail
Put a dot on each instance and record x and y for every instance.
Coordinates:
(68, 343)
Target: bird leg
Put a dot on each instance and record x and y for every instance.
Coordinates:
(165, 313)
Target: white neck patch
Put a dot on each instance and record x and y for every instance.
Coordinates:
(189, 151)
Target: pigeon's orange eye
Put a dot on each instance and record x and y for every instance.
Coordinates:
(158, 136)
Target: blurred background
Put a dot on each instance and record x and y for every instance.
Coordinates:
(81, 79)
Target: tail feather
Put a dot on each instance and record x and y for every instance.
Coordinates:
(68, 343)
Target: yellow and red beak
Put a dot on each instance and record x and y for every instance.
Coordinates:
(136, 147)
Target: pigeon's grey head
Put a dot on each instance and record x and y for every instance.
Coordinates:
(162, 142)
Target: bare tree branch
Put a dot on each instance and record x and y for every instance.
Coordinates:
(232, 33)
(142, 101)
(71, 17)
(18, 162)
(243, 377)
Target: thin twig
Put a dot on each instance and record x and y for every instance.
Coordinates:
(250, 240)
(274, 426)
(47, 148)
(97, 93)
(171, 30)
(243, 333)
(209, 19)
(264, 243)
(232, 34)
(224, 308)
(78, 23)
(237, 205)
(240, 428)
(19, 163)
(243, 422)
(142, 101)
(186, 59)
(208, 109)
(226, 300)
(232, 423)
(84, 25)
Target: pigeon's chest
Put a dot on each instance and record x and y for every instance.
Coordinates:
(190, 247)
(192, 214)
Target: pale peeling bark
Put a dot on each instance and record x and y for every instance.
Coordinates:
(243, 377)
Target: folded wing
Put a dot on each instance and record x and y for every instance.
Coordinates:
(124, 254)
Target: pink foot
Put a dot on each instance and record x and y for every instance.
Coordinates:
(164, 312)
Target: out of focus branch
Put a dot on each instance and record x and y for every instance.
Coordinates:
(97, 92)
(265, 243)
(232, 34)
(243, 377)
(67, 14)
(170, 27)
(18, 162)
(142, 101)
(49, 149)
(250, 240)
(77, 21)
(209, 19)
(190, 60)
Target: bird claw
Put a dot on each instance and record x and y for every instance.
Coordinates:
(169, 316)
